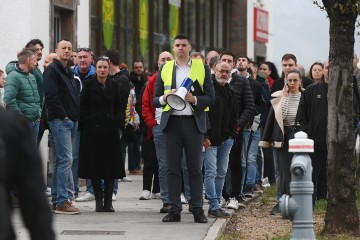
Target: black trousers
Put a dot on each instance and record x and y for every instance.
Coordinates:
(151, 168)
(318, 161)
(179, 134)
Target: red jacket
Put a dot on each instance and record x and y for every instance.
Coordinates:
(148, 109)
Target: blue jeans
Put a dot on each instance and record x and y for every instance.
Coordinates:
(216, 161)
(34, 126)
(160, 154)
(64, 132)
(249, 157)
(70, 186)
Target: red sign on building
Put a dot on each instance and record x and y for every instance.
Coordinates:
(261, 25)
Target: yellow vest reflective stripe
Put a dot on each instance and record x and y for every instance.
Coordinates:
(197, 72)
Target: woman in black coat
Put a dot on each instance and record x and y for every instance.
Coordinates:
(101, 124)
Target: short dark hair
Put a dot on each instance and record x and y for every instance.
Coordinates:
(244, 56)
(113, 55)
(227, 53)
(288, 56)
(24, 54)
(64, 39)
(33, 42)
(255, 64)
(135, 61)
(182, 37)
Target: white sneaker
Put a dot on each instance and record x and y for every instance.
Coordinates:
(86, 198)
(145, 195)
(155, 196)
(233, 204)
(241, 205)
(265, 182)
(113, 197)
(48, 192)
(223, 203)
(183, 199)
(126, 179)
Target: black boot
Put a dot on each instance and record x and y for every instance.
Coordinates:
(98, 195)
(108, 191)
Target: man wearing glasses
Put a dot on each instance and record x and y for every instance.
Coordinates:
(62, 99)
(219, 138)
(246, 105)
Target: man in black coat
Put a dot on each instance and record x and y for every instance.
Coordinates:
(288, 62)
(245, 100)
(21, 170)
(219, 139)
(62, 99)
(251, 133)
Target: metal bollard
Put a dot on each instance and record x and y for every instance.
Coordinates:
(299, 208)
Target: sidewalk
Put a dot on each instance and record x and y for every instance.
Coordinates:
(133, 219)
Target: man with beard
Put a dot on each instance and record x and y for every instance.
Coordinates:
(138, 80)
(219, 139)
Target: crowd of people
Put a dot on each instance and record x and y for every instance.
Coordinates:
(231, 138)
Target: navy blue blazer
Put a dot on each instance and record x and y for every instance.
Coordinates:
(62, 92)
(203, 101)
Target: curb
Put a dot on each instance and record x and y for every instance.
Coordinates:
(218, 227)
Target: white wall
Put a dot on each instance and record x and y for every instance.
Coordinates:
(83, 22)
(20, 22)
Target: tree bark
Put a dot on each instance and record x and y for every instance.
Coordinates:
(341, 214)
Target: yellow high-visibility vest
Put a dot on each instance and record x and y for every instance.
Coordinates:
(197, 72)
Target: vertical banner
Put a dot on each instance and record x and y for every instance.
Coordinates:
(174, 19)
(261, 25)
(108, 22)
(143, 26)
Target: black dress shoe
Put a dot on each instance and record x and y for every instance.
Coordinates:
(218, 213)
(166, 208)
(172, 217)
(200, 217)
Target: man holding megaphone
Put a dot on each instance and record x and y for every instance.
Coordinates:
(187, 84)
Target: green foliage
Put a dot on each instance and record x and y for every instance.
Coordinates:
(320, 207)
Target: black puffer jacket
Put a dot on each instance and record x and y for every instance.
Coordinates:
(245, 99)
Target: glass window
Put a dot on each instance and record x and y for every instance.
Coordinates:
(190, 20)
(205, 24)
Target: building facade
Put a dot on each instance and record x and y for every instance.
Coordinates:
(141, 29)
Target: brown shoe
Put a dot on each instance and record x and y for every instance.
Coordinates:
(136, 172)
(67, 208)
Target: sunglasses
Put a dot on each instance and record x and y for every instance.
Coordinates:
(83, 49)
(103, 58)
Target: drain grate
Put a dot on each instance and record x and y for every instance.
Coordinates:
(90, 232)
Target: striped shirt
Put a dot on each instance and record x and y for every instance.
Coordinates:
(289, 108)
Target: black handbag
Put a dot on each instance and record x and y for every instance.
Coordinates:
(289, 133)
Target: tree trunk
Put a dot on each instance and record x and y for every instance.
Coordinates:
(341, 214)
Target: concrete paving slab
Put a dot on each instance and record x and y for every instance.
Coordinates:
(134, 219)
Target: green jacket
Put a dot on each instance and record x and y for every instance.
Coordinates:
(21, 93)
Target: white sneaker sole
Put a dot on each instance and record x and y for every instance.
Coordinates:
(67, 213)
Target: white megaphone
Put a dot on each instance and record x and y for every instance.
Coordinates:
(177, 100)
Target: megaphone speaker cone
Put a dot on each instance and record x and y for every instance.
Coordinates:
(176, 102)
